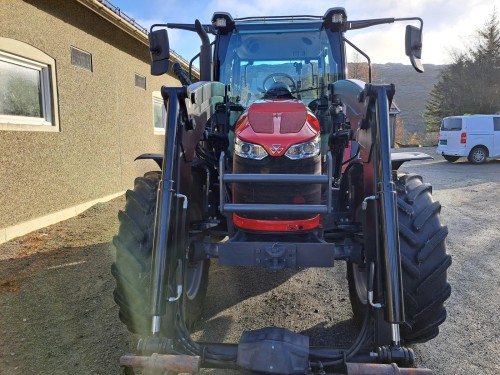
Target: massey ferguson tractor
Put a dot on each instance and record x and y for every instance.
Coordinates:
(275, 159)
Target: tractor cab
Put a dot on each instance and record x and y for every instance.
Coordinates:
(279, 70)
(278, 58)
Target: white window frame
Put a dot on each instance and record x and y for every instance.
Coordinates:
(45, 92)
(158, 99)
(22, 54)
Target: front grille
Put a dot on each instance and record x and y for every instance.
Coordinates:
(267, 193)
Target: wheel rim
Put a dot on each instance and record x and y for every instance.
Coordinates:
(360, 276)
(478, 155)
(194, 274)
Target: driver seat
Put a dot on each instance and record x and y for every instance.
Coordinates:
(279, 90)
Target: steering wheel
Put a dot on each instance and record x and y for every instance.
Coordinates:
(273, 76)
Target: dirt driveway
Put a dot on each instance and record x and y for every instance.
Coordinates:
(57, 315)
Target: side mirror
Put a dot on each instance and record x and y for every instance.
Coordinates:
(160, 52)
(413, 47)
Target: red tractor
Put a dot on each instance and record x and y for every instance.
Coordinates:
(274, 159)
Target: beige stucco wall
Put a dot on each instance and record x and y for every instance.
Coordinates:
(105, 121)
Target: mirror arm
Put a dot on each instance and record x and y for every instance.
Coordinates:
(361, 24)
(183, 26)
(365, 55)
(413, 38)
(191, 64)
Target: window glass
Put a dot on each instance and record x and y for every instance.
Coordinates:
(25, 93)
(496, 123)
(28, 88)
(20, 90)
(159, 113)
(301, 59)
(452, 123)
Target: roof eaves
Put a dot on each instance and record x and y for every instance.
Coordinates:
(129, 26)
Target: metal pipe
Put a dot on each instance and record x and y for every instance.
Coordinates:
(383, 369)
(365, 56)
(205, 53)
(222, 187)
(155, 324)
(174, 363)
(329, 165)
(396, 335)
(370, 288)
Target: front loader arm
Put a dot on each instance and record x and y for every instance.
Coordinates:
(378, 98)
(189, 108)
(368, 112)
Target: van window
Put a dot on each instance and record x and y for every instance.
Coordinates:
(453, 123)
(496, 124)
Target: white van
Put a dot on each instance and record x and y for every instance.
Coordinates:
(475, 136)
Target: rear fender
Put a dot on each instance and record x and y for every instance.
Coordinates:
(158, 158)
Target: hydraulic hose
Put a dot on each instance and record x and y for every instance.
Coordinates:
(355, 347)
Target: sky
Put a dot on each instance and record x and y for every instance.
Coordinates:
(449, 25)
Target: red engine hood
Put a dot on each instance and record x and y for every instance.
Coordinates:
(277, 124)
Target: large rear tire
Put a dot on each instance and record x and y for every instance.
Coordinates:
(132, 268)
(423, 259)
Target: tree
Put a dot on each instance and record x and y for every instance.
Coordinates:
(358, 69)
(471, 83)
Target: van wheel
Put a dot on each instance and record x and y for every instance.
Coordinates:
(451, 158)
(478, 155)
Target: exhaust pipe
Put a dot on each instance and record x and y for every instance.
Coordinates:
(173, 363)
(381, 369)
(205, 53)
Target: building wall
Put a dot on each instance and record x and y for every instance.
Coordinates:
(105, 120)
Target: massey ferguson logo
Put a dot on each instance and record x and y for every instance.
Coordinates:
(276, 149)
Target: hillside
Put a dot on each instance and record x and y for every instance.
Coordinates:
(412, 92)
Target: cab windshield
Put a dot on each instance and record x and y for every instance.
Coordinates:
(303, 56)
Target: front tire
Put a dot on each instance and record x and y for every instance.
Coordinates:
(423, 261)
(132, 268)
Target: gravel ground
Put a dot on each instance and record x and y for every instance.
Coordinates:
(57, 315)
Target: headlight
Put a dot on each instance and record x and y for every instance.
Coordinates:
(304, 150)
(249, 150)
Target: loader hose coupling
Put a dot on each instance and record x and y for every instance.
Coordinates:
(395, 354)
